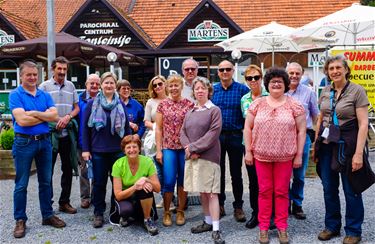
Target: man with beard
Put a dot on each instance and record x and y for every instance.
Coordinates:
(65, 96)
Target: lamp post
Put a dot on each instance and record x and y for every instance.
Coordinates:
(236, 55)
(112, 57)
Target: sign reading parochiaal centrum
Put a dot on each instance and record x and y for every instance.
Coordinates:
(208, 31)
(5, 38)
(103, 34)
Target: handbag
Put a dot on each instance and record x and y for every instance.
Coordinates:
(149, 143)
(363, 178)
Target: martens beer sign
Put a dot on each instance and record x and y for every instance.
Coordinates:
(208, 31)
(5, 38)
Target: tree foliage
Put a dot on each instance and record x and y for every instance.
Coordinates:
(368, 2)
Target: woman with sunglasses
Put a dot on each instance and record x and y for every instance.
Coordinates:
(133, 108)
(157, 91)
(253, 76)
(274, 134)
(170, 115)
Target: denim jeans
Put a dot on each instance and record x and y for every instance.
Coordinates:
(159, 169)
(354, 213)
(24, 151)
(231, 143)
(296, 190)
(102, 168)
(173, 168)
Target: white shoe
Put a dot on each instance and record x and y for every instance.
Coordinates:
(160, 204)
(172, 207)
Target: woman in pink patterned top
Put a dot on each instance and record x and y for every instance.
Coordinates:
(274, 134)
(169, 118)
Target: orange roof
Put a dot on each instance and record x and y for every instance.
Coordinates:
(158, 18)
(36, 11)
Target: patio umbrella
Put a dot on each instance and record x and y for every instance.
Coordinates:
(66, 45)
(348, 27)
(269, 38)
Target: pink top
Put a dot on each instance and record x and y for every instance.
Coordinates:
(173, 117)
(274, 135)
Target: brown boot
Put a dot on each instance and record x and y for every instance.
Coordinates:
(20, 229)
(167, 219)
(180, 217)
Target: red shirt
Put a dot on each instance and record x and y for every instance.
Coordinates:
(274, 135)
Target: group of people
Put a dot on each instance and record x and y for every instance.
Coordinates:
(189, 126)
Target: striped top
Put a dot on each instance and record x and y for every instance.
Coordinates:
(64, 95)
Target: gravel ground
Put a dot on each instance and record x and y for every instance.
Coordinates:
(80, 230)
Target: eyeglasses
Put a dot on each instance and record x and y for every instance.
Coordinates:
(226, 69)
(126, 88)
(157, 84)
(276, 81)
(94, 83)
(251, 78)
(190, 69)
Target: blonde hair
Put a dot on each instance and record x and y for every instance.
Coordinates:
(106, 75)
(151, 91)
(175, 78)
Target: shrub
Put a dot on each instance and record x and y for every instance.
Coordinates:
(6, 139)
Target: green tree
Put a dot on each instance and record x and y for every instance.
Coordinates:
(368, 2)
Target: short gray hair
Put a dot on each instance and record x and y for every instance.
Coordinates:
(206, 83)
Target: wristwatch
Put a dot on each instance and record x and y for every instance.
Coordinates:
(70, 116)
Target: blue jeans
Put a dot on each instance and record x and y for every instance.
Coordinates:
(102, 168)
(354, 206)
(231, 143)
(159, 169)
(24, 151)
(173, 168)
(296, 190)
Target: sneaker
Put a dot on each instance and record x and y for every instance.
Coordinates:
(222, 212)
(239, 215)
(160, 204)
(172, 207)
(180, 217)
(85, 203)
(297, 212)
(283, 237)
(263, 237)
(151, 227)
(20, 229)
(201, 228)
(351, 239)
(54, 221)
(67, 208)
(216, 236)
(167, 219)
(326, 235)
(98, 221)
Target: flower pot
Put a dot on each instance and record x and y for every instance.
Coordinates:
(7, 170)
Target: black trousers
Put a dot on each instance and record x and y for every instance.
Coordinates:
(231, 143)
(253, 188)
(66, 168)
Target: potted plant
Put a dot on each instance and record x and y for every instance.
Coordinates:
(7, 170)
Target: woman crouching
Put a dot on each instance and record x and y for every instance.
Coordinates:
(134, 181)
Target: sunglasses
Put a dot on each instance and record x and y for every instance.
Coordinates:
(157, 84)
(226, 69)
(190, 69)
(251, 78)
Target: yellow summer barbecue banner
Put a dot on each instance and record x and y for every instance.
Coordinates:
(362, 66)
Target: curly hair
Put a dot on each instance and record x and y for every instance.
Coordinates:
(276, 72)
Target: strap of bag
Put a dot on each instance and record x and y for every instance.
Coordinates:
(333, 103)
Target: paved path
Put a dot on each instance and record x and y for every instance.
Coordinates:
(79, 229)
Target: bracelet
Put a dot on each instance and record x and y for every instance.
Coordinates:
(70, 116)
